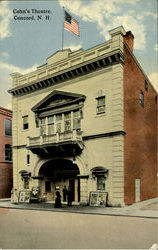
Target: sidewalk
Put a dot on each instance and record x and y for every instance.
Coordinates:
(144, 209)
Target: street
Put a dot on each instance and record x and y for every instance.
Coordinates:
(48, 229)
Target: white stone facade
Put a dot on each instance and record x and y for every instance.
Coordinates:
(102, 134)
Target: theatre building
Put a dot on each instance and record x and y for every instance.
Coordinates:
(87, 119)
(6, 165)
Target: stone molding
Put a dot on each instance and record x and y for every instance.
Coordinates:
(84, 68)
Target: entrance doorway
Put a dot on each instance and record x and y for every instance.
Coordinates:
(59, 173)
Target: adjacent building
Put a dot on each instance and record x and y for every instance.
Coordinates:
(87, 119)
(6, 167)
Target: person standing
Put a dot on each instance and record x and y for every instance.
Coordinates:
(64, 193)
(69, 196)
(58, 199)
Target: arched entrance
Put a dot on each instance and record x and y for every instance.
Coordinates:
(59, 173)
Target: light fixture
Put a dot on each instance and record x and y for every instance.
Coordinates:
(73, 159)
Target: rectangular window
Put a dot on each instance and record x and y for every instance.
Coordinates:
(47, 186)
(76, 120)
(100, 183)
(25, 122)
(43, 126)
(26, 183)
(67, 121)
(58, 123)
(101, 104)
(141, 98)
(50, 125)
(8, 152)
(146, 85)
(28, 159)
(8, 130)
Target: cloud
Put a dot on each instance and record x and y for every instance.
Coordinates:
(131, 23)
(5, 81)
(149, 13)
(5, 16)
(11, 68)
(73, 47)
(5, 55)
(154, 79)
(9, 106)
(108, 15)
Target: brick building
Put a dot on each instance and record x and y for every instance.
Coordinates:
(87, 119)
(6, 167)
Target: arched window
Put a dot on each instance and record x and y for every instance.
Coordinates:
(100, 173)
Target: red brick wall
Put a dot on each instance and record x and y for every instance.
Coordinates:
(6, 168)
(140, 145)
(6, 180)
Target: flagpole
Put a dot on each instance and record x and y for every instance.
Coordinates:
(63, 30)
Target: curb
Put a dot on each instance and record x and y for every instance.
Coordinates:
(80, 212)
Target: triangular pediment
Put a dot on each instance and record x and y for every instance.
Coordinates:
(57, 99)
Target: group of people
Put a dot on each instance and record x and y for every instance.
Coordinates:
(67, 196)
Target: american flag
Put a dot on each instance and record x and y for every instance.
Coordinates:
(71, 24)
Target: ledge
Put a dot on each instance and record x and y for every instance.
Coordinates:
(81, 69)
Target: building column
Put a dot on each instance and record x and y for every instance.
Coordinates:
(84, 199)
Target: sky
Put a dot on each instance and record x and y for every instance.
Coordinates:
(25, 44)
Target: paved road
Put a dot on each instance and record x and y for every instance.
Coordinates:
(48, 229)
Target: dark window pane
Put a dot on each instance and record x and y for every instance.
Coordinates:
(8, 130)
(146, 85)
(67, 125)
(28, 159)
(76, 123)
(58, 117)
(43, 120)
(76, 114)
(58, 127)
(8, 152)
(26, 183)
(67, 117)
(101, 105)
(42, 130)
(101, 183)
(25, 122)
(50, 129)
(141, 98)
(50, 119)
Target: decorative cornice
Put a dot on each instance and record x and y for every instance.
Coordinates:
(6, 112)
(81, 69)
(72, 99)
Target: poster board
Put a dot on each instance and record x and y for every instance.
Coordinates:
(98, 198)
(24, 197)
